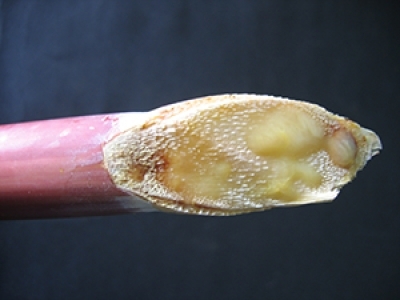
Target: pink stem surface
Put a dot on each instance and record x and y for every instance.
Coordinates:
(54, 168)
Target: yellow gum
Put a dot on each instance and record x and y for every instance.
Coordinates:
(235, 154)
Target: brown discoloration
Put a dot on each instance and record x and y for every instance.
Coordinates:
(172, 110)
(137, 172)
(169, 111)
(162, 164)
(221, 155)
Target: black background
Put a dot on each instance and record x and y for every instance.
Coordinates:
(64, 58)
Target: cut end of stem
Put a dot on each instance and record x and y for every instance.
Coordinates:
(233, 154)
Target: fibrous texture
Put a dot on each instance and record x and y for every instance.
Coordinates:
(232, 154)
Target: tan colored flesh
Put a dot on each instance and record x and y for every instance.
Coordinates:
(233, 154)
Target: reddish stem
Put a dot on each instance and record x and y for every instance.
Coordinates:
(55, 168)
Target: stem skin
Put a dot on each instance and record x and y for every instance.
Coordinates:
(54, 168)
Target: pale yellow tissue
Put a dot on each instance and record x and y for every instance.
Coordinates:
(285, 132)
